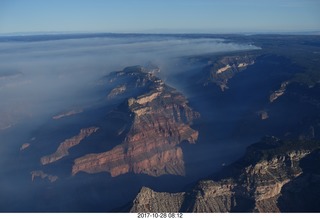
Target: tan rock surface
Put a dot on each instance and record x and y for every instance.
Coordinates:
(255, 184)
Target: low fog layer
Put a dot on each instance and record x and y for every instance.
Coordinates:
(43, 76)
(40, 79)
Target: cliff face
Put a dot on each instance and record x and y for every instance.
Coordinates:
(154, 119)
(255, 183)
(160, 121)
(276, 94)
(137, 127)
(63, 148)
(226, 67)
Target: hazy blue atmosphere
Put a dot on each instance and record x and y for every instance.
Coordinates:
(170, 16)
(40, 79)
(159, 106)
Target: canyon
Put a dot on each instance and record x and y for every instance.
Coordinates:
(150, 118)
(160, 120)
(256, 183)
(232, 131)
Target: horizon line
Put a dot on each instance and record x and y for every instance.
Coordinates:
(38, 33)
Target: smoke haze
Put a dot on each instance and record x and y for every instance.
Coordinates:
(40, 79)
(41, 76)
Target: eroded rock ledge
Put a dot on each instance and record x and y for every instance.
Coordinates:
(226, 67)
(67, 114)
(254, 183)
(278, 93)
(160, 121)
(42, 175)
(63, 148)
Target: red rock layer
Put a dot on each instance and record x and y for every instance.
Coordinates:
(161, 121)
(63, 148)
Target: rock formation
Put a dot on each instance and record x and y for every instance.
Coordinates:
(159, 121)
(263, 114)
(116, 91)
(138, 128)
(226, 67)
(24, 146)
(276, 94)
(63, 148)
(66, 114)
(40, 174)
(254, 183)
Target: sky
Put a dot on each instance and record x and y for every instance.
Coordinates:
(159, 16)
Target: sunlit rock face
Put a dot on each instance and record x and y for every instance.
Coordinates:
(226, 67)
(160, 120)
(148, 118)
(278, 93)
(253, 184)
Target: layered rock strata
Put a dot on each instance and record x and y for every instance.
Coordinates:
(254, 183)
(226, 67)
(160, 121)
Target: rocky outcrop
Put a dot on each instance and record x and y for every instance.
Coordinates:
(66, 114)
(24, 146)
(159, 121)
(208, 196)
(276, 94)
(226, 67)
(263, 114)
(254, 183)
(267, 178)
(163, 202)
(302, 193)
(40, 174)
(223, 69)
(116, 91)
(63, 148)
